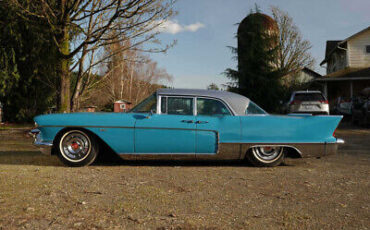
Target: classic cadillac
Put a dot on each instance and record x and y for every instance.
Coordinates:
(188, 124)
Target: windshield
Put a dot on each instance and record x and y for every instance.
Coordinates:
(147, 105)
(254, 109)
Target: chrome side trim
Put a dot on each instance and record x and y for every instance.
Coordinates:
(124, 127)
(305, 150)
(238, 151)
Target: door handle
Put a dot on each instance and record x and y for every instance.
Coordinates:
(187, 121)
(201, 122)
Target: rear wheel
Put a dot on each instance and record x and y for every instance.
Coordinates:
(266, 156)
(77, 148)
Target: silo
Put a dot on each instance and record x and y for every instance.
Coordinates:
(250, 28)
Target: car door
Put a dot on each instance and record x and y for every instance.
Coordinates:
(215, 125)
(171, 130)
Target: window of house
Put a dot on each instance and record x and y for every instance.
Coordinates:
(368, 49)
(209, 107)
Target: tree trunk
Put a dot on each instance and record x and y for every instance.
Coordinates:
(64, 75)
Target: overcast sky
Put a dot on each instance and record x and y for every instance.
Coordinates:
(205, 28)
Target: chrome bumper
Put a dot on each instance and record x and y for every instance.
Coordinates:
(45, 147)
(332, 148)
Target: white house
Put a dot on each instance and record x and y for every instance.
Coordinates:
(347, 65)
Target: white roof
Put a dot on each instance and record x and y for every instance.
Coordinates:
(236, 102)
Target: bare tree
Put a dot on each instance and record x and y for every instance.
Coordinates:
(293, 50)
(127, 75)
(81, 28)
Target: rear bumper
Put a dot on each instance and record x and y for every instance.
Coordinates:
(45, 146)
(332, 148)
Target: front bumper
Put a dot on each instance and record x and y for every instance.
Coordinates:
(45, 146)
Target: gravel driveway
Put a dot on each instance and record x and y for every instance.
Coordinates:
(37, 192)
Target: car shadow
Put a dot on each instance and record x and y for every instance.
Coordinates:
(35, 158)
(28, 158)
(110, 159)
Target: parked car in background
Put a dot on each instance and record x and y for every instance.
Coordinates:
(342, 106)
(361, 108)
(188, 124)
(313, 102)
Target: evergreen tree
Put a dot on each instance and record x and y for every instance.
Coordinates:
(27, 72)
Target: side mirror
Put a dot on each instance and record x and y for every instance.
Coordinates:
(151, 113)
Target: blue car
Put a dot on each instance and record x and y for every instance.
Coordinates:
(188, 124)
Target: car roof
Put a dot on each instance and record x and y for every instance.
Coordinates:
(236, 102)
(307, 91)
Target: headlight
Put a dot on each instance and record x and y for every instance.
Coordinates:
(36, 125)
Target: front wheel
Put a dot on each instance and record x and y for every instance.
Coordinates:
(77, 148)
(266, 156)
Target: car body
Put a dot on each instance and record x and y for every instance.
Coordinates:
(188, 124)
(361, 108)
(312, 102)
(342, 106)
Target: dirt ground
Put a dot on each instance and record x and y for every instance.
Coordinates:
(37, 192)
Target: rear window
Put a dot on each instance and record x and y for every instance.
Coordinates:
(309, 97)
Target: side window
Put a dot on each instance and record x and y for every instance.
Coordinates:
(180, 106)
(254, 109)
(211, 107)
(164, 105)
(149, 104)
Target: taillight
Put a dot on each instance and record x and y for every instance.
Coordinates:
(324, 102)
(295, 102)
(334, 132)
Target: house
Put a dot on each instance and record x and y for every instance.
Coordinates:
(302, 76)
(122, 106)
(347, 66)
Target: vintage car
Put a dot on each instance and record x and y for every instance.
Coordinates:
(188, 124)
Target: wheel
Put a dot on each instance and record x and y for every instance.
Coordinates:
(77, 148)
(266, 156)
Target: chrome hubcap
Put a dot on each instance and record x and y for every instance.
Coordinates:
(75, 146)
(267, 153)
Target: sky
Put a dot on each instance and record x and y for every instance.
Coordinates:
(204, 29)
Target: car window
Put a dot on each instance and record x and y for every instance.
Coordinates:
(163, 104)
(149, 104)
(210, 107)
(254, 109)
(180, 106)
(309, 97)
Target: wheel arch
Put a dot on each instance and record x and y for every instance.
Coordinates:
(102, 144)
(290, 150)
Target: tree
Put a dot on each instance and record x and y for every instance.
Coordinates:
(213, 86)
(80, 28)
(128, 75)
(27, 70)
(293, 50)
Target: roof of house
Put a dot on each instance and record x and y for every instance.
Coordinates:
(361, 74)
(311, 72)
(332, 45)
(236, 102)
(123, 101)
